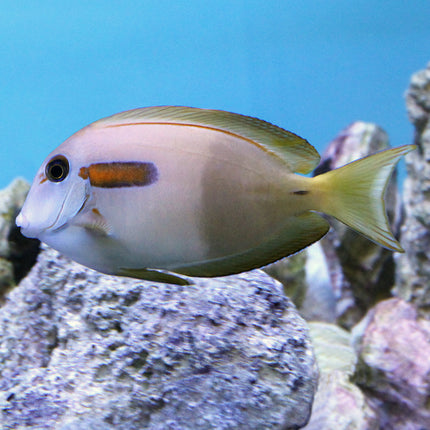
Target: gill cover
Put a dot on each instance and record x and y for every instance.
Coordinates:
(53, 200)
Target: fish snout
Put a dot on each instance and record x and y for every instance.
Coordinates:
(22, 221)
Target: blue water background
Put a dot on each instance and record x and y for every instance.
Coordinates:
(311, 67)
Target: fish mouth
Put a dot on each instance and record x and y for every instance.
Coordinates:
(24, 224)
(26, 229)
(21, 221)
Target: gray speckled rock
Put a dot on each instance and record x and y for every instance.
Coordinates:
(394, 366)
(17, 253)
(11, 200)
(81, 350)
(339, 404)
(362, 272)
(413, 268)
(291, 272)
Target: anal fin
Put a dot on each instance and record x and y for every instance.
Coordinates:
(153, 275)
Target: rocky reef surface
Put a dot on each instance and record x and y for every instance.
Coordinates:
(413, 268)
(17, 253)
(81, 350)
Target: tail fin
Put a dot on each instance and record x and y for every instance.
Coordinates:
(354, 194)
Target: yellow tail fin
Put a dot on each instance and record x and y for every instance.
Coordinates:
(354, 194)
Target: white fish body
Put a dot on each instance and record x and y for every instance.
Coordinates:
(191, 191)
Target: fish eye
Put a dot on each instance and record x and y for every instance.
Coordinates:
(57, 169)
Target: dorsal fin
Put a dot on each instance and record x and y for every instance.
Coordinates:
(301, 156)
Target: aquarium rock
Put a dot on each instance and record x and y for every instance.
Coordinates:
(339, 404)
(82, 350)
(413, 267)
(17, 253)
(392, 342)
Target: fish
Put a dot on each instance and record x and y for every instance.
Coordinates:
(170, 192)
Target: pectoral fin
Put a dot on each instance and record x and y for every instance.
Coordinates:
(153, 275)
(95, 222)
